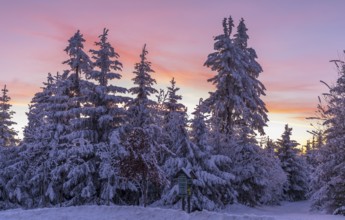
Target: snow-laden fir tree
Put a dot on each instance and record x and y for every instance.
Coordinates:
(12, 185)
(76, 170)
(8, 136)
(251, 170)
(44, 146)
(330, 194)
(140, 164)
(37, 145)
(176, 140)
(57, 128)
(237, 111)
(236, 101)
(80, 66)
(37, 111)
(12, 189)
(294, 166)
(107, 98)
(212, 188)
(276, 178)
(174, 120)
(107, 115)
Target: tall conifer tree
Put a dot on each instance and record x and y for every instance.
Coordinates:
(141, 165)
(8, 136)
(329, 176)
(294, 166)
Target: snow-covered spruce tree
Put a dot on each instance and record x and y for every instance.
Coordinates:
(176, 140)
(276, 175)
(8, 136)
(294, 166)
(330, 195)
(12, 187)
(108, 115)
(80, 67)
(45, 145)
(76, 169)
(250, 169)
(212, 187)
(37, 145)
(160, 108)
(237, 110)
(174, 121)
(37, 111)
(11, 163)
(58, 128)
(140, 164)
(236, 100)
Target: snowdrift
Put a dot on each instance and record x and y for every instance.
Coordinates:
(118, 213)
(287, 211)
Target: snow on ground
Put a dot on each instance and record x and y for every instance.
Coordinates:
(288, 211)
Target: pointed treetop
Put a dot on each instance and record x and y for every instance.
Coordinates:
(172, 91)
(75, 41)
(7, 134)
(5, 98)
(4, 90)
(143, 54)
(241, 37)
(103, 36)
(142, 77)
(50, 80)
(225, 27)
(231, 24)
(105, 61)
(79, 60)
(173, 82)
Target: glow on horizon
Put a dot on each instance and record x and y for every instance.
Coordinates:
(294, 41)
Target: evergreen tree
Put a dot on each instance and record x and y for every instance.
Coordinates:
(236, 101)
(37, 145)
(74, 176)
(140, 165)
(107, 114)
(175, 119)
(79, 91)
(58, 128)
(329, 176)
(176, 139)
(277, 178)
(7, 133)
(294, 166)
(37, 111)
(212, 188)
(11, 177)
(237, 111)
(44, 147)
(251, 176)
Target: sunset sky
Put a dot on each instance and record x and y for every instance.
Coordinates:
(294, 41)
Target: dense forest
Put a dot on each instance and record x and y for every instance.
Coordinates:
(91, 141)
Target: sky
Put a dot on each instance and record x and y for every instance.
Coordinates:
(294, 40)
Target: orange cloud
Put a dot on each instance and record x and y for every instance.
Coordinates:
(20, 92)
(303, 108)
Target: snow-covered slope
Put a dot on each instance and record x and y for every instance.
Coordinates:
(118, 213)
(288, 211)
